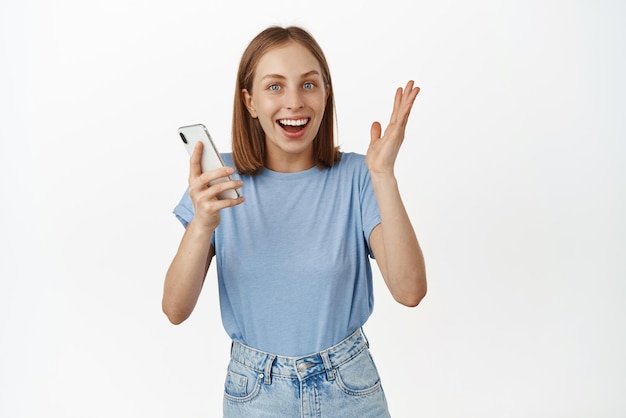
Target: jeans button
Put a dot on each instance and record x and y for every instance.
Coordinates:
(302, 367)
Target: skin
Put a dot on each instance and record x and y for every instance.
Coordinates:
(393, 241)
(288, 86)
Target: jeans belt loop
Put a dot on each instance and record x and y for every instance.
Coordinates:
(367, 343)
(330, 372)
(268, 369)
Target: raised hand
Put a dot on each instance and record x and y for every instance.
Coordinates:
(383, 150)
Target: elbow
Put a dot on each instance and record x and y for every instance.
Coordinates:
(174, 316)
(411, 300)
(176, 320)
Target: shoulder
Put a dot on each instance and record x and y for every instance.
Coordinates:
(351, 161)
(352, 157)
(352, 169)
(352, 165)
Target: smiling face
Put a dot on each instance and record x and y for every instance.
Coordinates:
(288, 97)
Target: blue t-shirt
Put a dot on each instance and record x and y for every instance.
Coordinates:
(292, 260)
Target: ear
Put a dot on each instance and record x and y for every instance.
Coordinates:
(247, 100)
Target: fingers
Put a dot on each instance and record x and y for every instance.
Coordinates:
(204, 189)
(195, 168)
(375, 131)
(207, 210)
(201, 179)
(213, 206)
(217, 187)
(214, 182)
(403, 102)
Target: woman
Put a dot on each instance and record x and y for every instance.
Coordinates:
(294, 276)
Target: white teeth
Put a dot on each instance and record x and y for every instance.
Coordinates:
(291, 122)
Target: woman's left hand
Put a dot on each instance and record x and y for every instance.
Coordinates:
(383, 151)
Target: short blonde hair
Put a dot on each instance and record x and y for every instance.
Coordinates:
(248, 136)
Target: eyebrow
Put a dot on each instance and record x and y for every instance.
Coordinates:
(282, 77)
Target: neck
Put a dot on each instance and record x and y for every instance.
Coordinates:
(290, 163)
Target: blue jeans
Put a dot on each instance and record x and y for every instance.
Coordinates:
(341, 381)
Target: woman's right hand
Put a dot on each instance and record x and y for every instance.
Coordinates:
(204, 196)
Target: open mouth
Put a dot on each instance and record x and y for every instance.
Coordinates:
(293, 125)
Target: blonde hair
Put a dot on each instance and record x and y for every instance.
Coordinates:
(248, 136)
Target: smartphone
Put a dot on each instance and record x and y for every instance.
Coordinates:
(211, 159)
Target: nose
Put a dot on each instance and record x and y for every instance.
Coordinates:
(293, 99)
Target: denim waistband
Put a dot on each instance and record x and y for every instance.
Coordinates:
(300, 367)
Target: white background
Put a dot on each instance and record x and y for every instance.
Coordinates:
(512, 171)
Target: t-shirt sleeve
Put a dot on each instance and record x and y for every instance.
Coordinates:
(369, 207)
(184, 211)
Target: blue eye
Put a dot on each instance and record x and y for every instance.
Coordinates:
(274, 87)
(308, 86)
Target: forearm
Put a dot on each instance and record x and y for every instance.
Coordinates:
(185, 276)
(402, 262)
